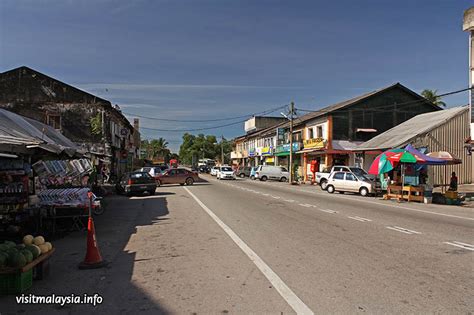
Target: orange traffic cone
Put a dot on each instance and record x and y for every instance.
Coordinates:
(93, 258)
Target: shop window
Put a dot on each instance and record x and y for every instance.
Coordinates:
(54, 121)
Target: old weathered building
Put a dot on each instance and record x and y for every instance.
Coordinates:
(90, 121)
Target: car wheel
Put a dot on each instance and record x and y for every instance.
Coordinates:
(283, 179)
(330, 189)
(242, 175)
(264, 178)
(181, 184)
(364, 192)
(158, 183)
(324, 184)
(252, 177)
(189, 181)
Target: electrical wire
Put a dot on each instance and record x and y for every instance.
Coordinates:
(265, 112)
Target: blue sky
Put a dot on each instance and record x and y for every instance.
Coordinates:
(215, 59)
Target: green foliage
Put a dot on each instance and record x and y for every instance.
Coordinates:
(432, 96)
(203, 146)
(156, 148)
(96, 124)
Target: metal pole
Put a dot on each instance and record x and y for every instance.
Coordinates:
(222, 150)
(292, 106)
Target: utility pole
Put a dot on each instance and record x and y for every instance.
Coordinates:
(292, 109)
(222, 149)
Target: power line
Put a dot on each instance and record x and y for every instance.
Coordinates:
(265, 112)
(207, 128)
(388, 110)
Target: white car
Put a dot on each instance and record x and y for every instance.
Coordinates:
(345, 181)
(214, 170)
(226, 172)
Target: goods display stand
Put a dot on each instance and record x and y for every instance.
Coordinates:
(408, 193)
(18, 280)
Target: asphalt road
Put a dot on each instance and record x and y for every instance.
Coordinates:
(346, 253)
(244, 246)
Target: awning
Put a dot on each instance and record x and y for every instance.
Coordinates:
(322, 151)
(282, 154)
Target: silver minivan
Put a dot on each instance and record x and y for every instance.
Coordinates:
(265, 172)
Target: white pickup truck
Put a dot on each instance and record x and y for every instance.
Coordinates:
(322, 177)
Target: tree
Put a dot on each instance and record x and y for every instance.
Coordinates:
(156, 148)
(203, 146)
(432, 96)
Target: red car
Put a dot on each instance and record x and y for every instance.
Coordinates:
(177, 176)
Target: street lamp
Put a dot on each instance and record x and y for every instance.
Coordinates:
(290, 118)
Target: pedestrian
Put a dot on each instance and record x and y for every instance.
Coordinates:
(453, 183)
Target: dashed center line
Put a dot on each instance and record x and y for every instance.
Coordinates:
(402, 230)
(361, 219)
(327, 210)
(305, 205)
(461, 245)
(289, 200)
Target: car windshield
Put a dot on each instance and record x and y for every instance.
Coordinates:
(226, 169)
(358, 171)
(139, 175)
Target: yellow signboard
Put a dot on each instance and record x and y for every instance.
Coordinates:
(315, 143)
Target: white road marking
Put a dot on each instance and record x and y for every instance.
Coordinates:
(380, 204)
(305, 205)
(327, 210)
(289, 200)
(266, 194)
(461, 245)
(361, 219)
(402, 230)
(288, 295)
(275, 197)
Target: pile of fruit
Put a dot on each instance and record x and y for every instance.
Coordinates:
(18, 255)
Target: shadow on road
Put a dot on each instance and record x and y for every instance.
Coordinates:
(119, 287)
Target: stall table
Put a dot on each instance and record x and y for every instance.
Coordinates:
(409, 193)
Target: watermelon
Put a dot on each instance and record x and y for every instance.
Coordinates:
(20, 246)
(35, 250)
(3, 247)
(16, 260)
(28, 255)
(11, 251)
(9, 244)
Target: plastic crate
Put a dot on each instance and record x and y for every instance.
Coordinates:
(16, 283)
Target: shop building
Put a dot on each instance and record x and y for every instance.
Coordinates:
(330, 135)
(91, 122)
(444, 130)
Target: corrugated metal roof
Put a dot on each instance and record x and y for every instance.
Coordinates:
(21, 131)
(418, 125)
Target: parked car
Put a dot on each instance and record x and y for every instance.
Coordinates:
(152, 170)
(265, 172)
(348, 181)
(214, 170)
(204, 169)
(136, 182)
(322, 177)
(226, 172)
(253, 173)
(177, 176)
(244, 171)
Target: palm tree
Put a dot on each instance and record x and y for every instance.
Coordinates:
(432, 96)
(159, 147)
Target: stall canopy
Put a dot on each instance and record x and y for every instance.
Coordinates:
(26, 133)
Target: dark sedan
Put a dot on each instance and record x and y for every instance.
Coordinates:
(177, 176)
(136, 182)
